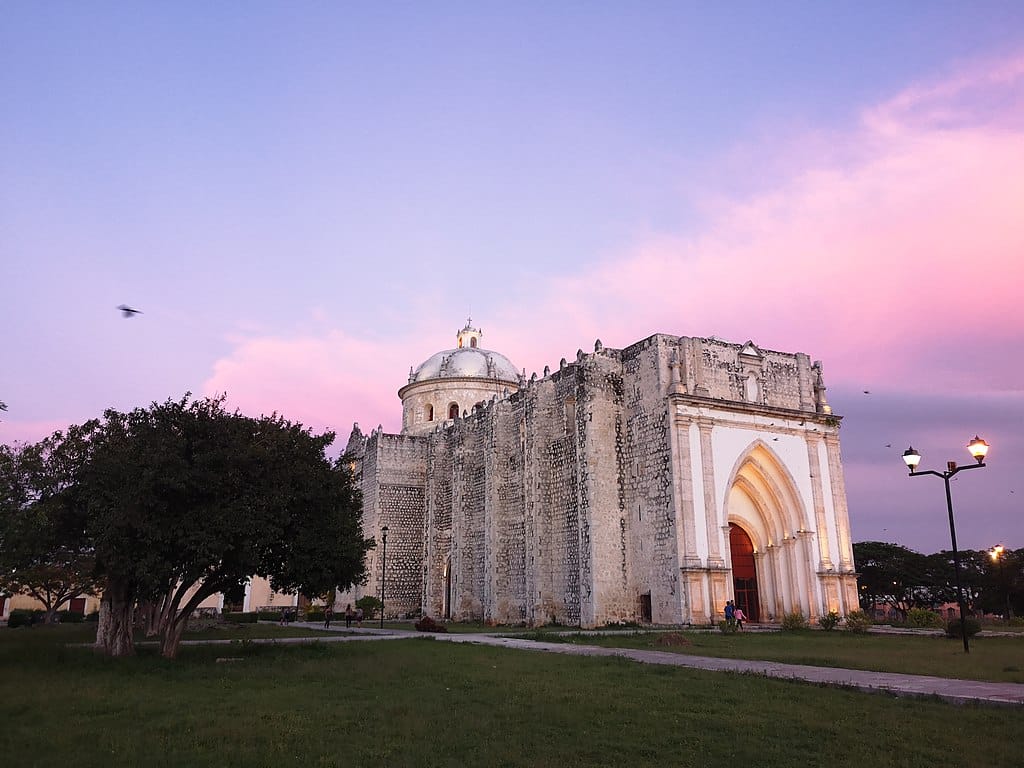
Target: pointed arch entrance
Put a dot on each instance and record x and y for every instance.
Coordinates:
(744, 572)
(769, 536)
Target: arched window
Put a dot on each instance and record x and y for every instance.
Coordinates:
(453, 411)
(430, 412)
(472, 342)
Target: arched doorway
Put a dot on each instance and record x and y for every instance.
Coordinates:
(744, 572)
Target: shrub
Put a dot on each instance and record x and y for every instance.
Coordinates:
(94, 616)
(244, 618)
(427, 624)
(971, 625)
(23, 617)
(922, 617)
(274, 614)
(794, 621)
(370, 606)
(70, 617)
(315, 614)
(858, 621)
(829, 621)
(727, 627)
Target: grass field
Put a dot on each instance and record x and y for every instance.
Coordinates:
(425, 703)
(999, 659)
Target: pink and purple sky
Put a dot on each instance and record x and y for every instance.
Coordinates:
(305, 199)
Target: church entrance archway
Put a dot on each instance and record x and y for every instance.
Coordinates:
(772, 550)
(744, 572)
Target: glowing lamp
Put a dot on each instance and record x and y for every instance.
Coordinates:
(912, 458)
(978, 449)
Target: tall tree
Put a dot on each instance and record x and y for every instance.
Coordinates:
(42, 550)
(890, 573)
(184, 499)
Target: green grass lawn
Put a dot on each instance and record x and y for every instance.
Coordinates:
(1000, 659)
(424, 703)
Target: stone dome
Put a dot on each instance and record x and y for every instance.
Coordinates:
(449, 384)
(478, 363)
(467, 360)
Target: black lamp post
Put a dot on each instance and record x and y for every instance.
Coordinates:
(996, 553)
(383, 569)
(978, 449)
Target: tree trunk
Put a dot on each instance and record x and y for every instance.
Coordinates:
(114, 629)
(172, 637)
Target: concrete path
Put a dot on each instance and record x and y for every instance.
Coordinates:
(955, 691)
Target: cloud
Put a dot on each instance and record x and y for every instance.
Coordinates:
(327, 380)
(898, 249)
(894, 251)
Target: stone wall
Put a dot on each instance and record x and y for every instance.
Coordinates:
(585, 497)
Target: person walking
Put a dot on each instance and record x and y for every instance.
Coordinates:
(740, 617)
(328, 615)
(349, 615)
(359, 616)
(730, 613)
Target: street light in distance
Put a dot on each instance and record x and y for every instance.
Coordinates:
(978, 449)
(383, 569)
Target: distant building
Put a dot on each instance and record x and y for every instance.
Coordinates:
(651, 483)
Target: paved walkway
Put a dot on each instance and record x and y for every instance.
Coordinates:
(955, 691)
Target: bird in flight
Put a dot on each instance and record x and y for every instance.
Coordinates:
(127, 311)
(888, 445)
(867, 391)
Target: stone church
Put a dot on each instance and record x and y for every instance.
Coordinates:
(649, 484)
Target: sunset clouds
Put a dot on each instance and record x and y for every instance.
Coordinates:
(901, 264)
(304, 205)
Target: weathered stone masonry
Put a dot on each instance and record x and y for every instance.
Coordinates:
(608, 489)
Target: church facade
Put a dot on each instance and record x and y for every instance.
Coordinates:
(650, 484)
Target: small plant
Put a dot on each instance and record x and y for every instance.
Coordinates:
(829, 621)
(971, 625)
(923, 618)
(370, 606)
(794, 621)
(673, 639)
(242, 618)
(858, 621)
(427, 624)
(727, 627)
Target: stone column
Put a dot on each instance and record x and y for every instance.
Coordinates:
(711, 511)
(835, 471)
(814, 446)
(683, 491)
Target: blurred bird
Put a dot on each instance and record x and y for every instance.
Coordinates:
(127, 311)
(888, 445)
(867, 391)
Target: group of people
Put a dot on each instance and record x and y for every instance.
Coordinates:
(734, 615)
(350, 616)
(290, 614)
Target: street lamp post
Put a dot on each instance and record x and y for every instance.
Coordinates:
(383, 569)
(912, 458)
(996, 553)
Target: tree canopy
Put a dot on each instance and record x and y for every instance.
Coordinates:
(184, 499)
(895, 575)
(42, 551)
